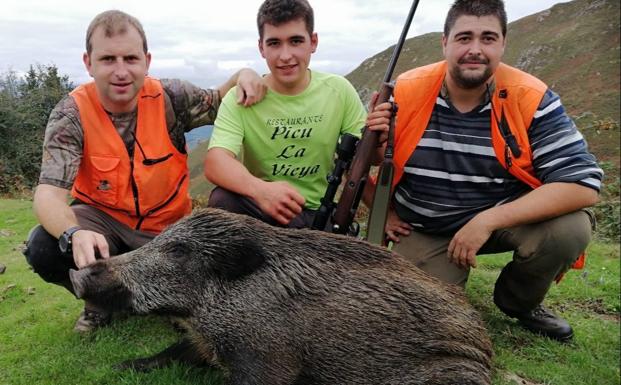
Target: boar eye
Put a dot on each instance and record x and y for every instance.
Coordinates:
(178, 249)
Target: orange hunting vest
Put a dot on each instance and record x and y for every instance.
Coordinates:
(148, 192)
(516, 96)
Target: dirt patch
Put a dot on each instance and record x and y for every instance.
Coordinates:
(592, 305)
(6, 233)
(512, 377)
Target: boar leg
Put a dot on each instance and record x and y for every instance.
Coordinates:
(182, 351)
(249, 368)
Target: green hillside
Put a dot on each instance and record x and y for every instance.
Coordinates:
(199, 185)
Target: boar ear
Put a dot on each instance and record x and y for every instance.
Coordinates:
(242, 259)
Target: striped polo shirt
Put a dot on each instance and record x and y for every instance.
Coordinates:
(454, 174)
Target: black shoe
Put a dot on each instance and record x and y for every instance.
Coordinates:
(542, 321)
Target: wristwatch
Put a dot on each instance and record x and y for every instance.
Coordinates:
(64, 242)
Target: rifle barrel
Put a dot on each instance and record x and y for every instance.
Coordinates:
(354, 186)
(396, 52)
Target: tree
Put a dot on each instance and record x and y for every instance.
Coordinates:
(25, 104)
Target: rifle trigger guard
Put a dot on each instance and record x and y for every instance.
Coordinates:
(393, 109)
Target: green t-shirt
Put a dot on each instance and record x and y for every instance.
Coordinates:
(292, 138)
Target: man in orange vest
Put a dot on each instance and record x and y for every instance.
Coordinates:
(117, 146)
(487, 161)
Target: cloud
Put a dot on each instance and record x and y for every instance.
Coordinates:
(205, 41)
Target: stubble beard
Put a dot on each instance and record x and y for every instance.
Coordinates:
(126, 101)
(470, 82)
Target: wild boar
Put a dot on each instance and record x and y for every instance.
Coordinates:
(281, 306)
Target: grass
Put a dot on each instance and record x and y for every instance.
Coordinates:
(38, 346)
(588, 299)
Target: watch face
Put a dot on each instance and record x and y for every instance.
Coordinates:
(64, 244)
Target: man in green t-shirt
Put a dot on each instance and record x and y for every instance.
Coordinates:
(287, 141)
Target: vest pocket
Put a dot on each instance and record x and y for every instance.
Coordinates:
(105, 179)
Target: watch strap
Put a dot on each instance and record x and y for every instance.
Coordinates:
(64, 242)
(69, 232)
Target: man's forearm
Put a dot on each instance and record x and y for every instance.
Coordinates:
(228, 84)
(235, 78)
(52, 210)
(548, 201)
(224, 170)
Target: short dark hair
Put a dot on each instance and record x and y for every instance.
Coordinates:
(277, 12)
(114, 23)
(476, 8)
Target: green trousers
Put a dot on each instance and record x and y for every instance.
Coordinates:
(541, 251)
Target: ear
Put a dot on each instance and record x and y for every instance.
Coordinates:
(87, 63)
(314, 41)
(261, 48)
(444, 41)
(148, 58)
(244, 258)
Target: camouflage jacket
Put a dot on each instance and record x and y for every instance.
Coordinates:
(187, 107)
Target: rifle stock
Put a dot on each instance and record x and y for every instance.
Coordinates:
(361, 164)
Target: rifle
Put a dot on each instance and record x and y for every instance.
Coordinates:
(344, 153)
(354, 186)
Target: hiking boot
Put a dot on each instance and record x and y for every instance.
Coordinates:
(91, 319)
(542, 321)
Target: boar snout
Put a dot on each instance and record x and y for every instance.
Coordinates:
(77, 281)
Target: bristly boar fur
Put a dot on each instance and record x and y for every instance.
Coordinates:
(281, 306)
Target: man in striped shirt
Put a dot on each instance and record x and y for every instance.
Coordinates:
(488, 161)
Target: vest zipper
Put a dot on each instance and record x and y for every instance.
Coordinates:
(153, 210)
(508, 161)
(134, 186)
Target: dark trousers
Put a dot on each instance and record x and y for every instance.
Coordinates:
(235, 203)
(44, 255)
(541, 251)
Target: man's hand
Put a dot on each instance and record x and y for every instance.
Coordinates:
(548, 201)
(84, 243)
(251, 88)
(378, 119)
(55, 215)
(277, 199)
(395, 227)
(465, 244)
(280, 201)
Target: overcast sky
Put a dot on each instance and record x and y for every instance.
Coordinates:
(204, 41)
